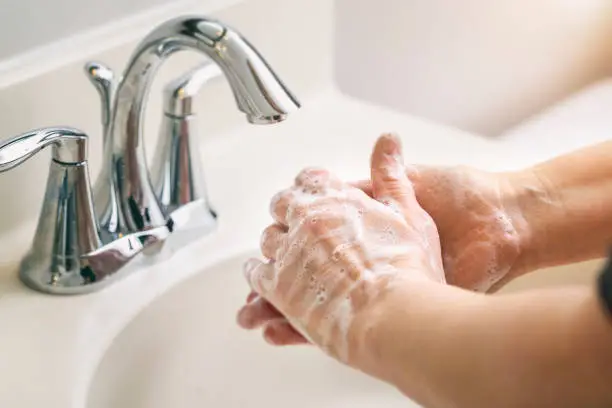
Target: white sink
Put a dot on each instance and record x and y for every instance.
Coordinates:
(185, 350)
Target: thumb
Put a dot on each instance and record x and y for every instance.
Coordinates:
(390, 184)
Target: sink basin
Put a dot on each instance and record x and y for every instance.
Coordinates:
(185, 350)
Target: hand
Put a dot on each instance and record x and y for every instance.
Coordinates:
(335, 253)
(479, 219)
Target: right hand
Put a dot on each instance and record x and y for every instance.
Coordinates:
(482, 229)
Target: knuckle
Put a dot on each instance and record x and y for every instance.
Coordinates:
(317, 180)
(309, 173)
(272, 233)
(266, 234)
(280, 202)
(320, 223)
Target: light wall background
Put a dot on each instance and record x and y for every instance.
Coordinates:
(27, 24)
(479, 65)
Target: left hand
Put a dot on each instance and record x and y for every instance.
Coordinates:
(409, 250)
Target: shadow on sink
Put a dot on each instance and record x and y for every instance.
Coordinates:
(185, 350)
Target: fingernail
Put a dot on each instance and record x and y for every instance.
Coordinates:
(252, 297)
(389, 143)
(244, 318)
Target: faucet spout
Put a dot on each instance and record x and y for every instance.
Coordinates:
(125, 198)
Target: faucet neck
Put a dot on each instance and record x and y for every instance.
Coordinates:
(124, 194)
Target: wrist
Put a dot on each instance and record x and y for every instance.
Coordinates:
(533, 198)
(408, 328)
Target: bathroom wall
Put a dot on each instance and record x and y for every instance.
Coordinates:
(479, 65)
(27, 24)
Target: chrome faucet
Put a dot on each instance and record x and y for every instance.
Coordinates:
(67, 255)
(84, 240)
(124, 194)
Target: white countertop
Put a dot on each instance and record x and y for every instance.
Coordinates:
(50, 346)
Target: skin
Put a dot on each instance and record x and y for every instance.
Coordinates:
(335, 253)
(451, 346)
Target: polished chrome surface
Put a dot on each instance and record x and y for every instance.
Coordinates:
(259, 93)
(63, 258)
(110, 258)
(177, 174)
(103, 79)
(179, 94)
(69, 146)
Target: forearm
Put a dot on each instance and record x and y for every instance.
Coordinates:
(567, 203)
(536, 349)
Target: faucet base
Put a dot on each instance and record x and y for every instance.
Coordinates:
(42, 277)
(191, 222)
(113, 261)
(90, 271)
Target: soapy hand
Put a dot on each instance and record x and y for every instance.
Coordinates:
(334, 253)
(479, 220)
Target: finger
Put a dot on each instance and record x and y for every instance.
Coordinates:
(273, 238)
(290, 203)
(389, 181)
(252, 296)
(257, 313)
(280, 333)
(279, 205)
(285, 206)
(260, 276)
(363, 185)
(314, 180)
(413, 172)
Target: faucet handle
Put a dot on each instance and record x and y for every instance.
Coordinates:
(178, 94)
(107, 260)
(69, 146)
